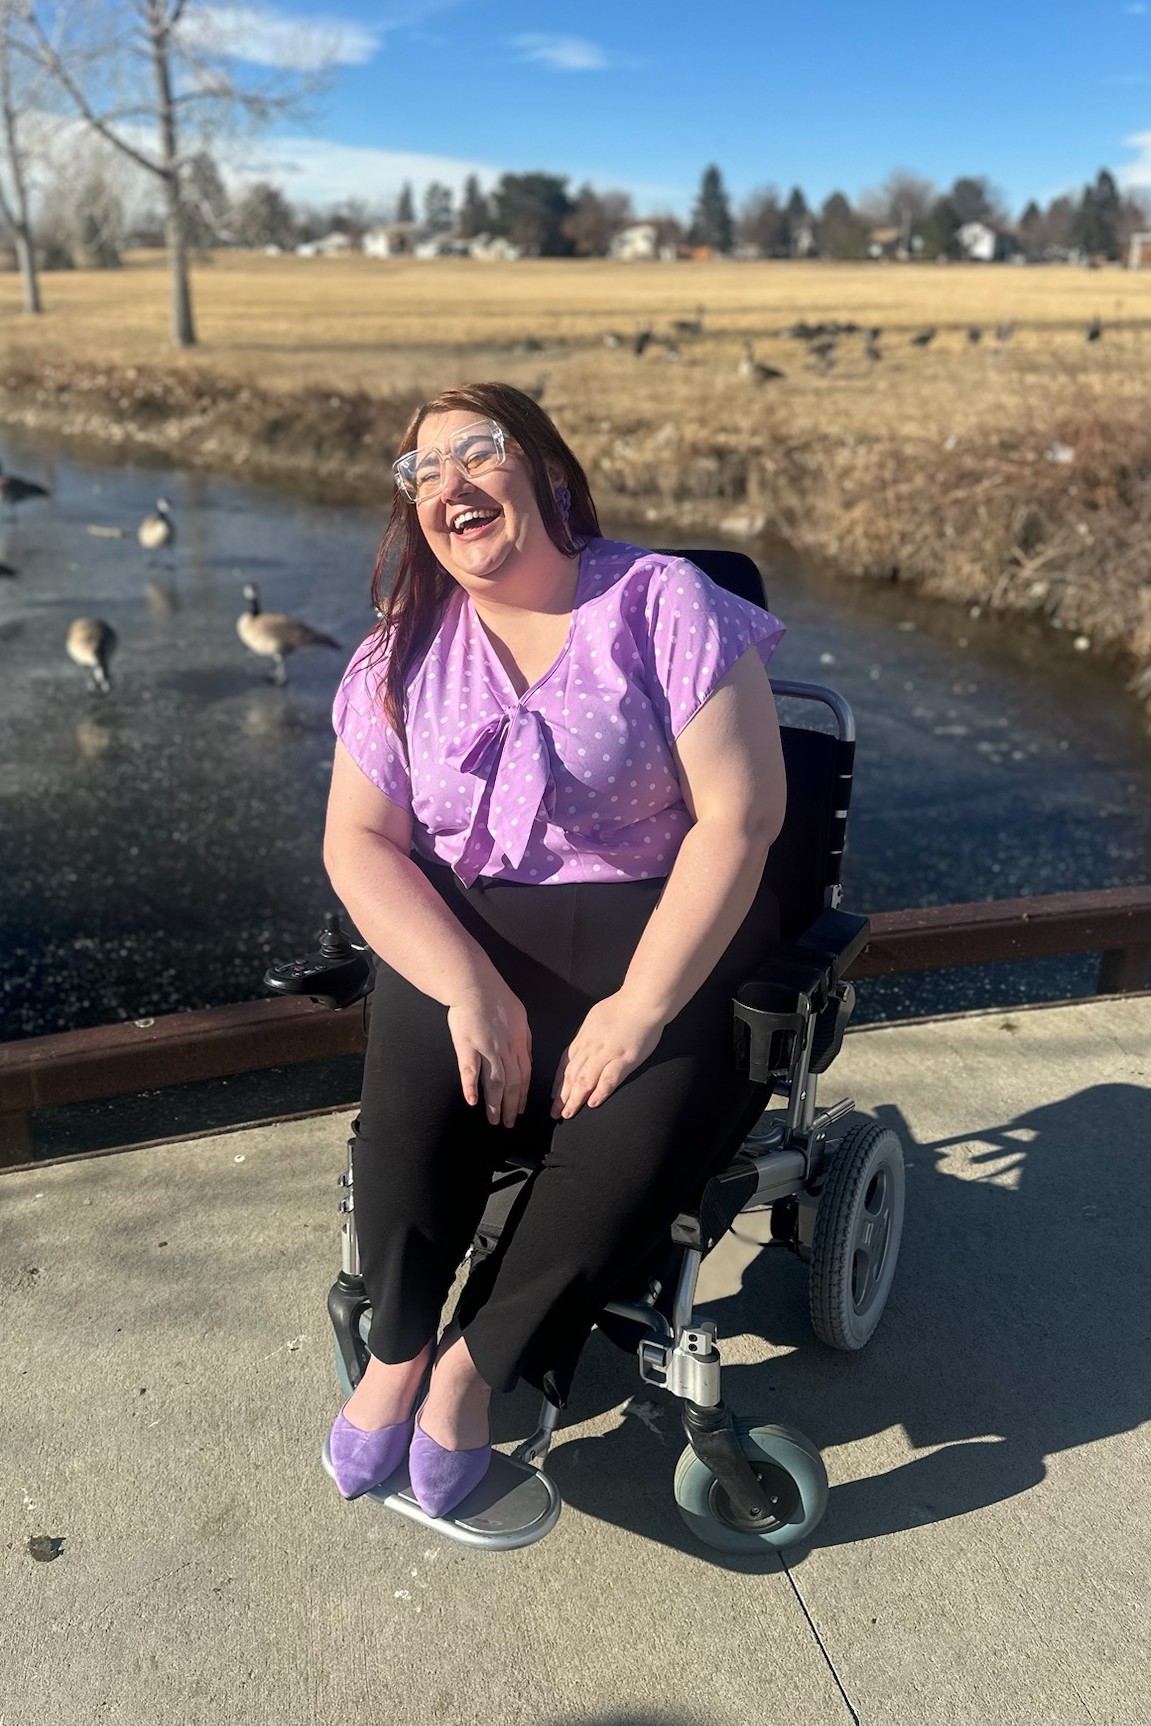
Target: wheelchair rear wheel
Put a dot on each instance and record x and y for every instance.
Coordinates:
(858, 1225)
(790, 1467)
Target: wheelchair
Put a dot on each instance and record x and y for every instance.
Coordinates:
(836, 1201)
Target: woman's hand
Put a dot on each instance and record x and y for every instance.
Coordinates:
(493, 1044)
(614, 1039)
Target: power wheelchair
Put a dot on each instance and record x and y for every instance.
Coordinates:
(835, 1202)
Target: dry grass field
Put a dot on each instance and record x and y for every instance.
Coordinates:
(1014, 473)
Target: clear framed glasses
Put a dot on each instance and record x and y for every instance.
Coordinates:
(475, 449)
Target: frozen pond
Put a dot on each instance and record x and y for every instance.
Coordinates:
(159, 845)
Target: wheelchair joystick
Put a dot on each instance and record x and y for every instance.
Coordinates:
(337, 973)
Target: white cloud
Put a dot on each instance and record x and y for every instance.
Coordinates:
(1137, 173)
(561, 53)
(262, 36)
(318, 171)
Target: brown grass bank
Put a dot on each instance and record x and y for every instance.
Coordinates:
(1014, 475)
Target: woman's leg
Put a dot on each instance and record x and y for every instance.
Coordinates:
(422, 1169)
(613, 1181)
(614, 1177)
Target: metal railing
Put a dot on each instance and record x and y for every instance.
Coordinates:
(219, 1042)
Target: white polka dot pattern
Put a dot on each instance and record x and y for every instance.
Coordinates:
(651, 639)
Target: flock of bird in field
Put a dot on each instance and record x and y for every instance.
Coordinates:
(822, 342)
(91, 641)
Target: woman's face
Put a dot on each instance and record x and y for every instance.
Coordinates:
(479, 529)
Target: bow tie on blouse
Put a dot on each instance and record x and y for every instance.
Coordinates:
(511, 755)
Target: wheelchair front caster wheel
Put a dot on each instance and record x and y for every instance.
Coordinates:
(705, 1507)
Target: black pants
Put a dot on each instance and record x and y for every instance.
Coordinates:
(611, 1179)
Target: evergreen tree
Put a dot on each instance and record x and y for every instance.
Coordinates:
(940, 228)
(438, 207)
(842, 233)
(1031, 236)
(711, 223)
(530, 210)
(797, 223)
(974, 201)
(475, 217)
(1096, 226)
(406, 204)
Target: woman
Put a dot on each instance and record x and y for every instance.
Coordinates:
(557, 779)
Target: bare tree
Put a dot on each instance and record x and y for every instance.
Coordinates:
(17, 93)
(183, 58)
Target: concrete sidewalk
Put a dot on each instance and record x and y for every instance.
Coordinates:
(986, 1554)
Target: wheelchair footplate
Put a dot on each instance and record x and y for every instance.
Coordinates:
(513, 1505)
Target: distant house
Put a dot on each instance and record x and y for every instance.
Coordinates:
(394, 239)
(637, 243)
(980, 243)
(492, 248)
(333, 245)
(1139, 252)
(884, 242)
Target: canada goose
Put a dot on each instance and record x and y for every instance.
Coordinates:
(273, 636)
(824, 348)
(6, 571)
(1004, 333)
(689, 326)
(91, 643)
(753, 370)
(974, 335)
(641, 339)
(924, 339)
(157, 531)
(14, 490)
(1095, 330)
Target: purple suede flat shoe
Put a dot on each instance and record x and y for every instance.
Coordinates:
(441, 1478)
(361, 1460)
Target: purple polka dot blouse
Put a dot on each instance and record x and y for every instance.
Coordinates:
(574, 780)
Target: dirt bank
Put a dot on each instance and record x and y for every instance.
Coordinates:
(1054, 522)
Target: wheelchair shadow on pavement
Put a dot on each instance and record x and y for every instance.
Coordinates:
(1016, 1329)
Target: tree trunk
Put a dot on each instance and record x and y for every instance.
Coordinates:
(180, 295)
(17, 215)
(26, 258)
(182, 328)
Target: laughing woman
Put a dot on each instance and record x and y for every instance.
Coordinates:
(557, 778)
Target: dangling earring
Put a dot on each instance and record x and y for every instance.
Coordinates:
(564, 503)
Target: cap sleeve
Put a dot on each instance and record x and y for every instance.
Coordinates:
(361, 726)
(696, 632)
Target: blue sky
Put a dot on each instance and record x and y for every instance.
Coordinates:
(641, 95)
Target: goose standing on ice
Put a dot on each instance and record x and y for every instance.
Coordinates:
(159, 530)
(90, 644)
(271, 635)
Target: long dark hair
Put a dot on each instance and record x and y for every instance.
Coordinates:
(411, 608)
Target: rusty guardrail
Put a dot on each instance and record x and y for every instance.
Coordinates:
(217, 1042)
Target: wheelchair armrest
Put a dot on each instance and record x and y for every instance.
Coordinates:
(835, 940)
(772, 1011)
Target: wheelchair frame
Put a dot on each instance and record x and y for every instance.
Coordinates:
(788, 1028)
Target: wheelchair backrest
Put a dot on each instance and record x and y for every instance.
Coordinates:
(805, 865)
